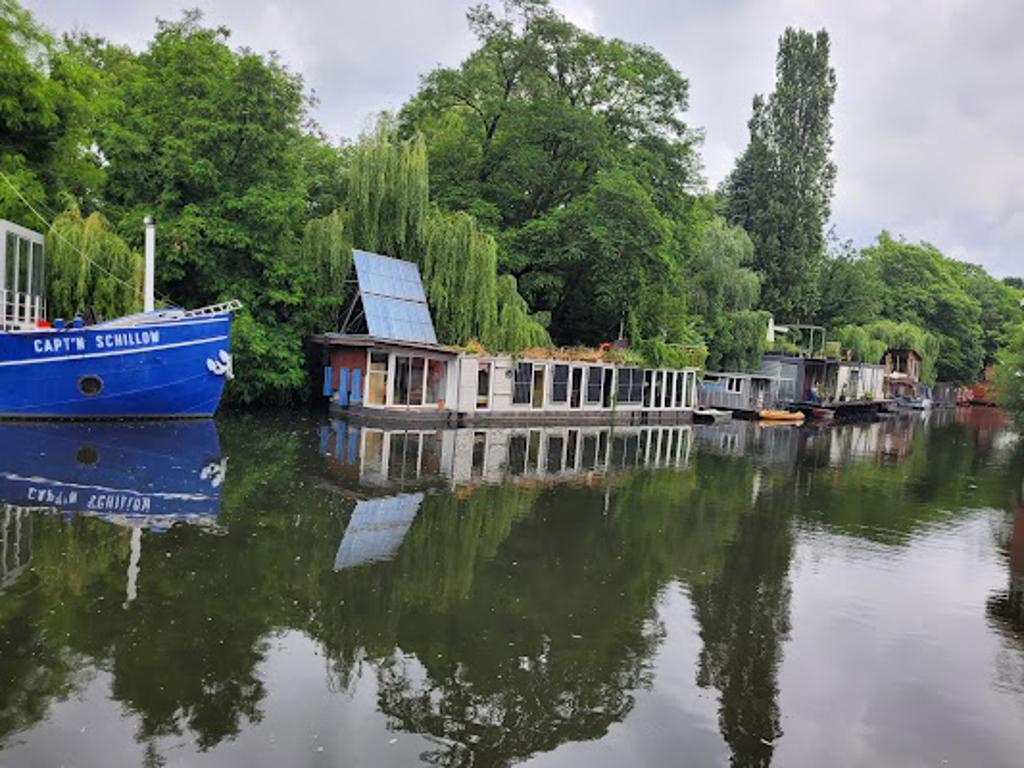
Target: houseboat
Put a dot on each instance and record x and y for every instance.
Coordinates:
(386, 363)
(793, 382)
(164, 363)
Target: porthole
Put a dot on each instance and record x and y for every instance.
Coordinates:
(90, 386)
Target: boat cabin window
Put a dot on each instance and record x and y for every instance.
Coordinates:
(735, 385)
(560, 384)
(680, 386)
(594, 374)
(521, 387)
(436, 379)
(631, 385)
(576, 388)
(648, 396)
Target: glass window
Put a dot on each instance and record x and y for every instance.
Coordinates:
(659, 389)
(538, 386)
(625, 385)
(7, 263)
(37, 270)
(416, 370)
(400, 394)
(560, 384)
(637, 390)
(576, 388)
(377, 381)
(648, 388)
(483, 385)
(522, 384)
(437, 378)
(24, 256)
(680, 381)
(594, 374)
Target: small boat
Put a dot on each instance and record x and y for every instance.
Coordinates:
(168, 363)
(781, 417)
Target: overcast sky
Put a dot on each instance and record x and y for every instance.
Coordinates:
(929, 119)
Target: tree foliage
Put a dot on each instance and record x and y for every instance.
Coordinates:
(723, 292)
(90, 268)
(1010, 375)
(868, 343)
(781, 189)
(548, 181)
(572, 149)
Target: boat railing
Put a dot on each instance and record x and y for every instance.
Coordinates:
(20, 311)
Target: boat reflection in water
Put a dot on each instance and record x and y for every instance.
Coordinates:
(148, 474)
(415, 458)
(144, 476)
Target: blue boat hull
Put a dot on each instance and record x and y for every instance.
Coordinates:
(169, 369)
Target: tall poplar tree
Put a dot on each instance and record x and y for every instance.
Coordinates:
(781, 189)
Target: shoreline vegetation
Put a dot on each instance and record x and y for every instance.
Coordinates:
(548, 187)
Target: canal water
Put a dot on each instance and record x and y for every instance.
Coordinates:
(279, 590)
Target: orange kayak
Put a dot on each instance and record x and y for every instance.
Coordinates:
(789, 417)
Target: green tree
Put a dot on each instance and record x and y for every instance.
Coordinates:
(723, 292)
(49, 103)
(539, 127)
(90, 268)
(781, 189)
(999, 304)
(850, 288)
(918, 285)
(1010, 375)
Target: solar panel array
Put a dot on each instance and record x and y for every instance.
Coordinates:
(394, 303)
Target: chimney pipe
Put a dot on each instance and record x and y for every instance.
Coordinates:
(148, 290)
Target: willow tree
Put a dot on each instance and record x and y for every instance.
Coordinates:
(326, 255)
(388, 194)
(389, 212)
(90, 268)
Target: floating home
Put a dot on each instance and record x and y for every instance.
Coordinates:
(783, 381)
(386, 363)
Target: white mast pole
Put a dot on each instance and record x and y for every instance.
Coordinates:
(148, 289)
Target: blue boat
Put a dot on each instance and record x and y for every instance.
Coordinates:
(170, 363)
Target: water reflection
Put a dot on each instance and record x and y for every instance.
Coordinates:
(484, 597)
(409, 458)
(142, 473)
